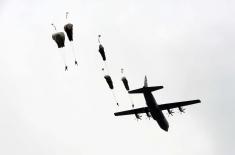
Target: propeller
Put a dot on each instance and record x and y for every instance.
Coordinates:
(170, 112)
(181, 110)
(148, 115)
(137, 116)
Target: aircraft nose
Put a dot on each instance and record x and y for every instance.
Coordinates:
(166, 128)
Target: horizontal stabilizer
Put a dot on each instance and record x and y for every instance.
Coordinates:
(141, 90)
(145, 89)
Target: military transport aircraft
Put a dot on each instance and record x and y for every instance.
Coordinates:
(153, 108)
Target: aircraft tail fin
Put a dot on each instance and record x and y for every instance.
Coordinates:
(145, 81)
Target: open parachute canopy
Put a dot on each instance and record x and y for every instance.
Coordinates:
(68, 28)
(59, 38)
(109, 81)
(102, 53)
(125, 82)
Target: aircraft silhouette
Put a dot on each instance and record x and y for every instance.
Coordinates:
(153, 108)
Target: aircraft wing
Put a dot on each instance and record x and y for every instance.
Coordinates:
(133, 111)
(178, 104)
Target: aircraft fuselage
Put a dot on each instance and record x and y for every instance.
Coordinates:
(155, 111)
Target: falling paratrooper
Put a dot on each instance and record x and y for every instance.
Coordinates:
(126, 85)
(68, 28)
(59, 38)
(110, 84)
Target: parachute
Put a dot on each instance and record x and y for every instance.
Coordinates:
(125, 82)
(102, 53)
(68, 28)
(109, 81)
(101, 49)
(59, 38)
(126, 85)
(110, 84)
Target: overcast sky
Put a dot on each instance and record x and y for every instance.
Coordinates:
(186, 46)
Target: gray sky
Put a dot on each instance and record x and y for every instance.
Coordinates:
(186, 46)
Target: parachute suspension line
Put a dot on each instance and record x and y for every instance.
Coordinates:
(115, 98)
(106, 66)
(64, 59)
(63, 56)
(74, 53)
